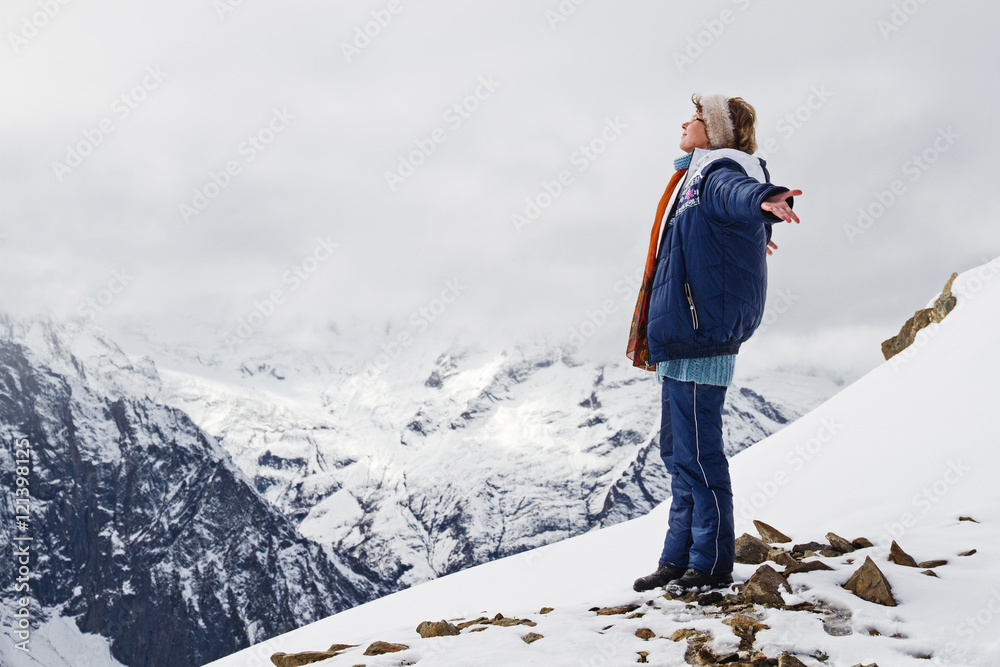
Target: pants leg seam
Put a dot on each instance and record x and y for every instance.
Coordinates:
(697, 449)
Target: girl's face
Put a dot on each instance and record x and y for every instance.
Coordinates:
(694, 134)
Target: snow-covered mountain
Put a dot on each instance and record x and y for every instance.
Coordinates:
(136, 526)
(453, 459)
(906, 453)
(238, 500)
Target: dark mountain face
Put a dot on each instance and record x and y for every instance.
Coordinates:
(144, 530)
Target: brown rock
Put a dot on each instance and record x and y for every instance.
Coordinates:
(770, 534)
(645, 634)
(900, 557)
(381, 648)
(967, 553)
(807, 566)
(531, 637)
(482, 620)
(750, 550)
(746, 628)
(299, 659)
(611, 611)
(764, 588)
(789, 660)
(500, 620)
(699, 654)
(506, 622)
(711, 598)
(340, 648)
(801, 549)
(546, 610)
(782, 557)
(862, 543)
(839, 543)
(922, 318)
(868, 583)
(437, 629)
(967, 518)
(642, 656)
(690, 634)
(930, 573)
(932, 563)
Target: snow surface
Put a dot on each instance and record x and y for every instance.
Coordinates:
(900, 454)
(56, 641)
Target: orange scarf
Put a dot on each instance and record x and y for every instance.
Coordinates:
(638, 346)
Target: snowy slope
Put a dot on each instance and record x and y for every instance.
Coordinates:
(900, 454)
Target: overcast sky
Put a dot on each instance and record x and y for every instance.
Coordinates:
(179, 165)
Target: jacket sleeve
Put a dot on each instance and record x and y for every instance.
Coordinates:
(729, 195)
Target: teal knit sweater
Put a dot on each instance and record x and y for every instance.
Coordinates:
(708, 370)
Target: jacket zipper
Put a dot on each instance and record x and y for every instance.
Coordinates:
(694, 313)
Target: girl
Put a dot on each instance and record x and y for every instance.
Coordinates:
(702, 297)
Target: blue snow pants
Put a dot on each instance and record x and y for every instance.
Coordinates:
(700, 533)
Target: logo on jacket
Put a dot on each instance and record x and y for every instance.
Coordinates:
(689, 197)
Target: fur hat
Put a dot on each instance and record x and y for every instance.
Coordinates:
(718, 122)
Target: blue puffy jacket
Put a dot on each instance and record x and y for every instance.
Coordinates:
(711, 271)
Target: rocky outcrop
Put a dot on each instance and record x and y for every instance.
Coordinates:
(381, 648)
(900, 557)
(770, 534)
(944, 304)
(437, 629)
(764, 588)
(839, 543)
(868, 583)
(750, 550)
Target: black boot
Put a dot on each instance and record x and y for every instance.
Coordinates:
(696, 580)
(665, 573)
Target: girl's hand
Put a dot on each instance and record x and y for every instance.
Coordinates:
(770, 245)
(777, 205)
